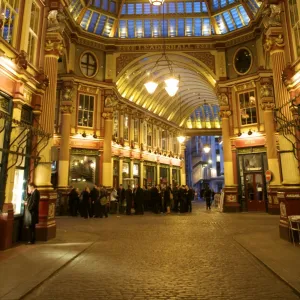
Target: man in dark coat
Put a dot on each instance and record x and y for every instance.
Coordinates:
(175, 198)
(190, 198)
(155, 199)
(207, 196)
(33, 209)
(128, 196)
(95, 200)
(139, 200)
(121, 199)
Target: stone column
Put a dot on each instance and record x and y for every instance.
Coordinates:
(121, 126)
(182, 165)
(171, 174)
(142, 134)
(131, 167)
(64, 153)
(46, 228)
(131, 130)
(107, 150)
(289, 194)
(230, 189)
(142, 172)
(121, 158)
(158, 173)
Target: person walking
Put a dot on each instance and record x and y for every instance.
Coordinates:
(207, 197)
(32, 207)
(190, 198)
(113, 201)
(129, 198)
(85, 202)
(103, 202)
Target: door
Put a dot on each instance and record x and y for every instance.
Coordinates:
(255, 194)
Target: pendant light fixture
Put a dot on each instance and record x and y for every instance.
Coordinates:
(171, 83)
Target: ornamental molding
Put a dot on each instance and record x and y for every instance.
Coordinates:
(66, 109)
(206, 57)
(241, 39)
(271, 16)
(245, 86)
(267, 106)
(223, 99)
(274, 43)
(124, 59)
(107, 115)
(53, 47)
(88, 89)
(225, 113)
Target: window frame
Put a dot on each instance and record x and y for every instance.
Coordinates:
(96, 61)
(93, 110)
(240, 109)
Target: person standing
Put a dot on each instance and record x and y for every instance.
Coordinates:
(167, 199)
(73, 202)
(190, 198)
(114, 201)
(175, 198)
(139, 200)
(155, 199)
(33, 210)
(121, 199)
(129, 198)
(85, 202)
(103, 202)
(94, 198)
(207, 197)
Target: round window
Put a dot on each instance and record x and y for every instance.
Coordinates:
(242, 61)
(88, 64)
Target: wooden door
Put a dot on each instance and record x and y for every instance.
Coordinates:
(255, 194)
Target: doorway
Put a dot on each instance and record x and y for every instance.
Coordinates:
(254, 192)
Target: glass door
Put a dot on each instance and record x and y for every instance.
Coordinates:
(254, 192)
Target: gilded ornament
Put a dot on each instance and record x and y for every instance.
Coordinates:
(56, 20)
(111, 101)
(266, 90)
(271, 16)
(107, 115)
(225, 113)
(267, 106)
(223, 99)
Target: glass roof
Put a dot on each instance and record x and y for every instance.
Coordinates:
(111, 18)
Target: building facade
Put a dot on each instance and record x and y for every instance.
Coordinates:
(74, 109)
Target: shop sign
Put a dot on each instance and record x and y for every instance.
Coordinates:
(268, 175)
(250, 142)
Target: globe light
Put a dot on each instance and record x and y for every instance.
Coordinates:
(206, 148)
(156, 2)
(151, 86)
(210, 161)
(171, 90)
(181, 139)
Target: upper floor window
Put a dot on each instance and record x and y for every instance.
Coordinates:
(88, 64)
(295, 22)
(248, 108)
(116, 124)
(145, 133)
(9, 11)
(33, 32)
(126, 127)
(164, 140)
(136, 130)
(86, 110)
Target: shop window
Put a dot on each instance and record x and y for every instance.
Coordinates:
(149, 135)
(9, 9)
(88, 64)
(248, 110)
(295, 22)
(125, 170)
(82, 170)
(136, 130)
(116, 124)
(136, 170)
(86, 110)
(126, 127)
(33, 32)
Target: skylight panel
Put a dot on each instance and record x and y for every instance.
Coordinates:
(75, 9)
(180, 27)
(124, 9)
(130, 28)
(204, 7)
(155, 9)
(172, 27)
(108, 27)
(231, 1)
(147, 29)
(221, 24)
(229, 21)
(97, 3)
(130, 8)
(93, 22)
(139, 28)
(147, 8)
(188, 7)
(101, 24)
(215, 4)
(197, 27)
(164, 26)
(112, 7)
(172, 8)
(105, 4)
(197, 7)
(156, 28)
(188, 27)
(206, 27)
(123, 29)
(236, 18)
(223, 3)
(244, 15)
(180, 7)
(254, 6)
(139, 8)
(85, 19)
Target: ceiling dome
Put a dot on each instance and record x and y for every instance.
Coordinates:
(128, 19)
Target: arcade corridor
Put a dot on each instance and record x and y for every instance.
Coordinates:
(191, 256)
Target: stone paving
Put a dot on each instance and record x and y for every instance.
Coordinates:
(189, 256)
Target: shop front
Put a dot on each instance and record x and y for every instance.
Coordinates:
(175, 176)
(252, 164)
(164, 174)
(149, 178)
(136, 172)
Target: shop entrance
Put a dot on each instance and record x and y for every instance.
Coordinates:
(254, 192)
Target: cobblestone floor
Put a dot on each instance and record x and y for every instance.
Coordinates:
(190, 256)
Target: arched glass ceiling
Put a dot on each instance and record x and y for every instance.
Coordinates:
(205, 116)
(127, 19)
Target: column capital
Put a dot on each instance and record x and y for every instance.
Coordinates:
(107, 115)
(66, 108)
(54, 45)
(267, 106)
(225, 113)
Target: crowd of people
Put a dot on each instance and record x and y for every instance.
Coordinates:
(158, 199)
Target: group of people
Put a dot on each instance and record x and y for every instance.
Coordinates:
(89, 203)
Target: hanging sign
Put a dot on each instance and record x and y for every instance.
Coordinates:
(268, 175)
